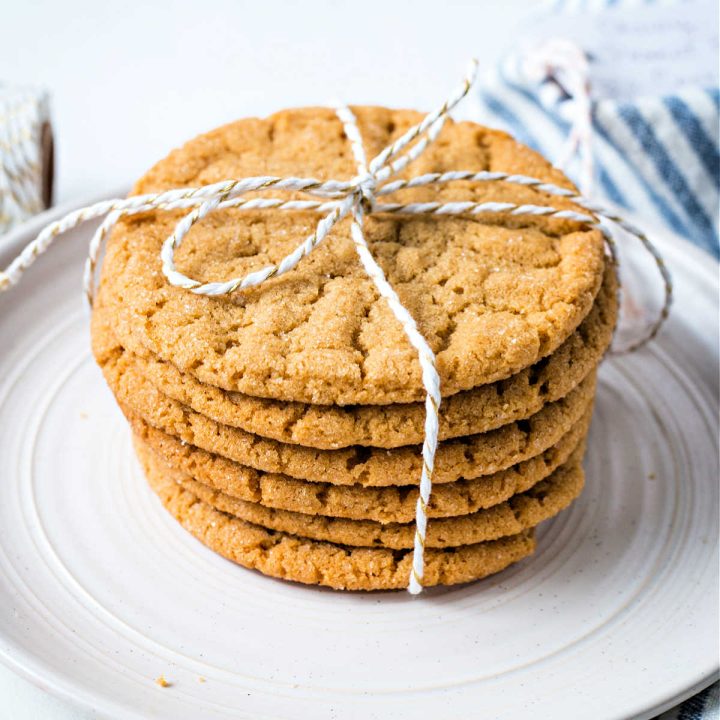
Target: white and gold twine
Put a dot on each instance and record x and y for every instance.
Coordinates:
(354, 198)
(566, 65)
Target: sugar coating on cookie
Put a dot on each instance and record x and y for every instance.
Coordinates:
(466, 457)
(491, 294)
(480, 409)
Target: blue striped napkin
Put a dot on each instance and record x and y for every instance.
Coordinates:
(655, 105)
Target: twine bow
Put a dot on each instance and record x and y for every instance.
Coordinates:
(355, 198)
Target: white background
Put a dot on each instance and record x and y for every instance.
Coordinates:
(131, 80)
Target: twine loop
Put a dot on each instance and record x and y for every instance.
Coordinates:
(365, 187)
(565, 64)
(335, 200)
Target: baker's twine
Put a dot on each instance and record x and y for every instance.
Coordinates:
(560, 67)
(355, 198)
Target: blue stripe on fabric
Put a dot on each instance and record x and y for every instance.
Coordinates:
(703, 145)
(610, 188)
(523, 135)
(692, 709)
(714, 94)
(668, 214)
(531, 97)
(666, 168)
(524, 93)
(510, 119)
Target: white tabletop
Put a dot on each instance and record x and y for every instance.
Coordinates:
(131, 80)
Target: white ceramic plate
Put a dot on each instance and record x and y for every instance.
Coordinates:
(101, 591)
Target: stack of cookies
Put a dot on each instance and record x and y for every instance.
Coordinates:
(282, 425)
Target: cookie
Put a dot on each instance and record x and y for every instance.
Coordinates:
(340, 567)
(474, 411)
(492, 294)
(521, 512)
(383, 505)
(465, 457)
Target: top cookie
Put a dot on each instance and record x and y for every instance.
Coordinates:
(491, 293)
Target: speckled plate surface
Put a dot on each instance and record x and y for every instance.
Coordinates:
(101, 591)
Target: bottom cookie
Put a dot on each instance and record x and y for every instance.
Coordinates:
(312, 562)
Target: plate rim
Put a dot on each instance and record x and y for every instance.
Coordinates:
(77, 695)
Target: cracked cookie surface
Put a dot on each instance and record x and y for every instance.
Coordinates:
(492, 294)
(465, 457)
(327, 427)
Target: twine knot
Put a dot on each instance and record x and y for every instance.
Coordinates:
(365, 186)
